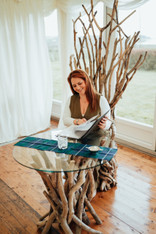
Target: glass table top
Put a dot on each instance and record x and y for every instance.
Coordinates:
(49, 161)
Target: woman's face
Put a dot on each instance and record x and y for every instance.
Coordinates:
(78, 85)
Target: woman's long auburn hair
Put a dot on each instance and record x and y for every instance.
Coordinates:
(91, 93)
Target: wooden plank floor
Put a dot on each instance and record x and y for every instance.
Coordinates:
(128, 208)
(16, 216)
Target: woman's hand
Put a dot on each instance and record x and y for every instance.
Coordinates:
(102, 123)
(79, 121)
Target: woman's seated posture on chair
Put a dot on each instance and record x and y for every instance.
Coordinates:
(85, 103)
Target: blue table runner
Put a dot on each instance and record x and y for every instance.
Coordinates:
(77, 149)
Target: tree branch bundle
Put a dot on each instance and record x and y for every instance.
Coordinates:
(93, 53)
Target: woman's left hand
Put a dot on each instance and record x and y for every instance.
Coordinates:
(102, 123)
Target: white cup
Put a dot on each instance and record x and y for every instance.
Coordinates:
(62, 142)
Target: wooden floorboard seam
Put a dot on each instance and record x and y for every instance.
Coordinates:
(15, 214)
(122, 221)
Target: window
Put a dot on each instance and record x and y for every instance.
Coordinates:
(99, 18)
(51, 30)
(139, 98)
(79, 28)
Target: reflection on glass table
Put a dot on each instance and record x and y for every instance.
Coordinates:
(48, 161)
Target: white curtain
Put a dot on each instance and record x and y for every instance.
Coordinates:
(74, 6)
(25, 74)
(125, 4)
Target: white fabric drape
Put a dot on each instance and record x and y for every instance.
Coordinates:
(75, 6)
(25, 74)
(125, 4)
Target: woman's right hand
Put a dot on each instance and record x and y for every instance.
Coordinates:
(79, 121)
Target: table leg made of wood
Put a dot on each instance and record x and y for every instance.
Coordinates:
(69, 194)
(71, 182)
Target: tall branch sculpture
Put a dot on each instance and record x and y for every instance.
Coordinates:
(93, 54)
(107, 64)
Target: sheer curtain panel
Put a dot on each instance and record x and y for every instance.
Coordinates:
(25, 74)
(74, 6)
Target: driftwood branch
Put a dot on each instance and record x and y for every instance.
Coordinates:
(105, 56)
(67, 196)
(101, 64)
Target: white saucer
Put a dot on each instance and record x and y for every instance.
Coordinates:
(94, 148)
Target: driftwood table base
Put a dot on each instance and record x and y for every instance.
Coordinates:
(71, 182)
(67, 195)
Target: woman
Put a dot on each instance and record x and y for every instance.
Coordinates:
(84, 104)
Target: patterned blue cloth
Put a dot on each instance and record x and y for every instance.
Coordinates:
(77, 149)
